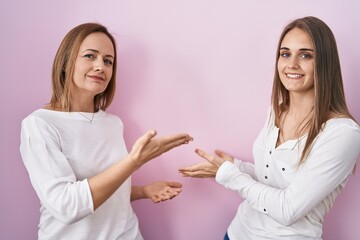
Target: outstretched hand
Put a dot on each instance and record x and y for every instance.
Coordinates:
(206, 169)
(148, 146)
(162, 191)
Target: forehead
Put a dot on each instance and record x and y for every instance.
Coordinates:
(297, 38)
(98, 41)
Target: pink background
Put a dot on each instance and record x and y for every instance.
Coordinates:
(204, 67)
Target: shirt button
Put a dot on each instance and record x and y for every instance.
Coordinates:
(264, 210)
(270, 152)
(265, 177)
(283, 169)
(267, 165)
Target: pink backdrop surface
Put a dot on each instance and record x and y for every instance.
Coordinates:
(204, 67)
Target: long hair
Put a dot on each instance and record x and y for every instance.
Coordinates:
(64, 67)
(328, 83)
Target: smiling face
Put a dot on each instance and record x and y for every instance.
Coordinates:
(93, 66)
(296, 62)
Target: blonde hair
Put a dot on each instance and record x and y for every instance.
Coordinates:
(64, 66)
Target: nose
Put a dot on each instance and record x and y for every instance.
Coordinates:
(98, 65)
(293, 63)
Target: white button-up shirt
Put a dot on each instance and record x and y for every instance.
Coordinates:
(285, 200)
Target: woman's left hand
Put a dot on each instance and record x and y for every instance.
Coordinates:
(162, 191)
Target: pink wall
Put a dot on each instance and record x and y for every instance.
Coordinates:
(204, 67)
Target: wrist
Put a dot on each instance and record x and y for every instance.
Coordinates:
(143, 192)
(133, 162)
(137, 192)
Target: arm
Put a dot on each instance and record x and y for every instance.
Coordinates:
(67, 198)
(145, 149)
(326, 170)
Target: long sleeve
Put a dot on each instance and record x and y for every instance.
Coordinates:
(318, 180)
(61, 151)
(51, 175)
(245, 167)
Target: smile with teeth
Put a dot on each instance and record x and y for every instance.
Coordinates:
(293, 75)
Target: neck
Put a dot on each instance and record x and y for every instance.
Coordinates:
(83, 106)
(90, 109)
(301, 104)
(294, 121)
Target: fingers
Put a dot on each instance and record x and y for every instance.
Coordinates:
(188, 169)
(206, 169)
(180, 136)
(173, 141)
(145, 138)
(199, 170)
(162, 191)
(194, 168)
(219, 153)
(223, 155)
(197, 174)
(209, 157)
(167, 193)
(165, 144)
(177, 137)
(148, 136)
(204, 155)
(174, 184)
(148, 146)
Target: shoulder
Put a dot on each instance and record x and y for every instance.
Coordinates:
(39, 115)
(110, 120)
(44, 117)
(340, 133)
(37, 125)
(109, 116)
(341, 124)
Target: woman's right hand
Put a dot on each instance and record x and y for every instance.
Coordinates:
(148, 146)
(206, 169)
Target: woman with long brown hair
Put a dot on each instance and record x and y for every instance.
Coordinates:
(306, 151)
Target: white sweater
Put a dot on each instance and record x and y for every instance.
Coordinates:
(61, 151)
(282, 200)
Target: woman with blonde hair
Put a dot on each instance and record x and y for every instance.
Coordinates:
(74, 151)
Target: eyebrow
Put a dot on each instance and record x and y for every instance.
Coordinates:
(93, 50)
(301, 49)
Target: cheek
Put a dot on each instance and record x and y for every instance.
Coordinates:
(280, 66)
(311, 80)
(310, 70)
(82, 67)
(109, 74)
(280, 69)
(76, 77)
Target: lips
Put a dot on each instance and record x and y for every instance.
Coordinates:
(97, 78)
(294, 75)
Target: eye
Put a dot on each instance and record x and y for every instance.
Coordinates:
(284, 54)
(306, 56)
(89, 55)
(108, 62)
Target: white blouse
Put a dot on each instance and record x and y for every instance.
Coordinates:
(61, 150)
(283, 200)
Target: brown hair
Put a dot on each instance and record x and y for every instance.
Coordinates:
(64, 65)
(328, 83)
